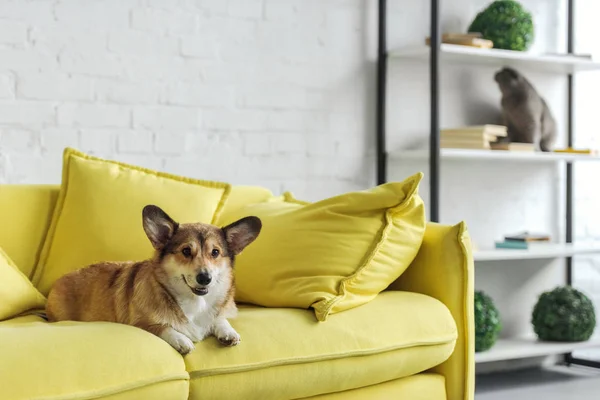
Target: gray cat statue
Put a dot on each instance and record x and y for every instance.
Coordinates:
(526, 115)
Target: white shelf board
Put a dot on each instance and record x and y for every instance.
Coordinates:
(517, 156)
(498, 57)
(512, 349)
(537, 251)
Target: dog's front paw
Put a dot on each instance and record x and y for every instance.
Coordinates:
(184, 345)
(178, 341)
(229, 338)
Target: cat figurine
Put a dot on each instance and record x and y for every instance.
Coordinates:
(526, 115)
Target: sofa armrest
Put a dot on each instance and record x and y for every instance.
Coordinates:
(443, 269)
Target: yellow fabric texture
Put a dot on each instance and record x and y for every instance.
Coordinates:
(17, 294)
(334, 254)
(240, 196)
(25, 212)
(444, 269)
(285, 353)
(98, 215)
(73, 360)
(425, 386)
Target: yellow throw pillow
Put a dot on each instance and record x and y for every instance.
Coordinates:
(241, 196)
(98, 215)
(17, 294)
(331, 255)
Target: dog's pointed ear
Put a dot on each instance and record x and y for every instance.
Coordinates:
(159, 227)
(241, 233)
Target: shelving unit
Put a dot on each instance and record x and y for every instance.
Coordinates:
(437, 53)
(452, 53)
(538, 251)
(513, 349)
(512, 156)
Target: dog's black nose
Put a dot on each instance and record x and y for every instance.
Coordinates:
(203, 278)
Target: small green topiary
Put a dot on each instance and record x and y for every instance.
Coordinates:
(564, 315)
(506, 23)
(487, 322)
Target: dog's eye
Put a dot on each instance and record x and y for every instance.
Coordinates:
(215, 253)
(186, 251)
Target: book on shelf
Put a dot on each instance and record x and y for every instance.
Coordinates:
(490, 129)
(571, 150)
(464, 39)
(523, 240)
(512, 244)
(458, 135)
(512, 146)
(471, 137)
(527, 236)
(464, 144)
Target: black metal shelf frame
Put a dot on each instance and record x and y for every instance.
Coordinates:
(434, 137)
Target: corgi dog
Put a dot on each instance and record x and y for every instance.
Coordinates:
(183, 294)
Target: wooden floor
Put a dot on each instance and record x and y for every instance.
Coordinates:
(558, 383)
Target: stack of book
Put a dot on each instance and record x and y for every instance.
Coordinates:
(522, 240)
(514, 146)
(471, 137)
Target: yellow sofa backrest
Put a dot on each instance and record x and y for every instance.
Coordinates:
(25, 214)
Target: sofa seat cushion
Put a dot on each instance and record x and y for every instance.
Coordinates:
(286, 353)
(74, 360)
(423, 386)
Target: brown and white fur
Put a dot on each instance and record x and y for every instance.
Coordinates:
(183, 294)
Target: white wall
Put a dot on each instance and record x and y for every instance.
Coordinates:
(276, 93)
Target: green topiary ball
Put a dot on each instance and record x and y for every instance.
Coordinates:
(506, 23)
(487, 322)
(564, 315)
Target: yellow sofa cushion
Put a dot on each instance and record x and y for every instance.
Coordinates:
(17, 294)
(98, 215)
(285, 353)
(25, 212)
(240, 196)
(74, 360)
(423, 386)
(331, 255)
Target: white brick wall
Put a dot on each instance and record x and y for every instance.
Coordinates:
(267, 92)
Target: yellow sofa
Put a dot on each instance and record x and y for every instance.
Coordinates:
(413, 341)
